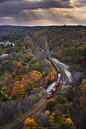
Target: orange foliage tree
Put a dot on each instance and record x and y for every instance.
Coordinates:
(16, 89)
(10, 88)
(23, 47)
(50, 78)
(26, 84)
(7, 77)
(61, 54)
(29, 123)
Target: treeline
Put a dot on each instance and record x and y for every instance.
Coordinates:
(6, 30)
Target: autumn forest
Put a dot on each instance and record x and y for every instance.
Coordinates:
(25, 73)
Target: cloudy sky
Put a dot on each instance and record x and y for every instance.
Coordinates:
(42, 12)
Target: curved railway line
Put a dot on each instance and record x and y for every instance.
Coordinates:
(38, 107)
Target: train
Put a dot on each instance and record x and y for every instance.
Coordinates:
(56, 67)
(54, 88)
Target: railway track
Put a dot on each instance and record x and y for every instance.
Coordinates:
(19, 123)
(39, 106)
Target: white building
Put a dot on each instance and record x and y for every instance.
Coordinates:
(7, 43)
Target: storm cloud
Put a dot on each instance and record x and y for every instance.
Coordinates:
(52, 11)
(14, 7)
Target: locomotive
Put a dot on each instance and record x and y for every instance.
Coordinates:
(52, 91)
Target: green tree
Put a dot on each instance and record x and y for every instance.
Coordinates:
(61, 99)
(50, 105)
(64, 125)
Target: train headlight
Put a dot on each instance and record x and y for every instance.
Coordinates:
(59, 74)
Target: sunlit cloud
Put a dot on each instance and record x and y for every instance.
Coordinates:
(43, 22)
(7, 21)
(6, 18)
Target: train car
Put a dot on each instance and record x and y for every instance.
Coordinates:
(57, 84)
(59, 77)
(58, 80)
(52, 91)
(54, 88)
(56, 67)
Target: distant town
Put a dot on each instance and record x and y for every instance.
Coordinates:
(4, 43)
(7, 43)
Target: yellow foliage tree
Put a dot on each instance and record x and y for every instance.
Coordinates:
(22, 91)
(47, 112)
(37, 73)
(35, 76)
(83, 87)
(69, 121)
(19, 63)
(51, 119)
(79, 49)
(52, 70)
